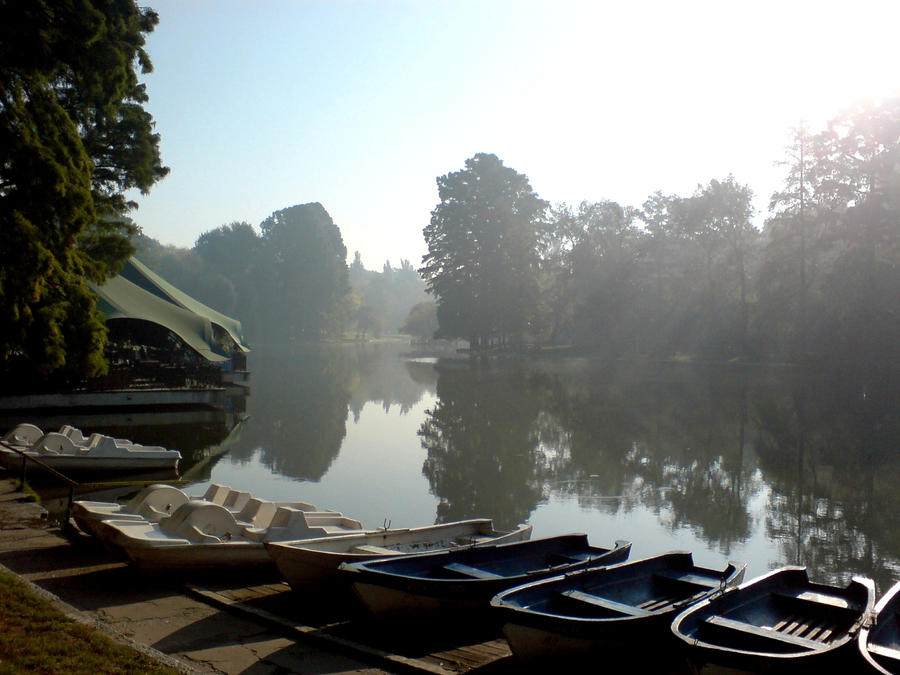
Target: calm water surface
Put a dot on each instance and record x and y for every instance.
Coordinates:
(767, 466)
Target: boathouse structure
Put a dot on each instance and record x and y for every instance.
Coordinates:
(165, 349)
(149, 317)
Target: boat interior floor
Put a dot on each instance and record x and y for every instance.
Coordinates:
(669, 590)
(799, 623)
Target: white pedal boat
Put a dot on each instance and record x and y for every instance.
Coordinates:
(158, 501)
(69, 450)
(200, 535)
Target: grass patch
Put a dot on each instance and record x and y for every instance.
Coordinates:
(28, 492)
(35, 637)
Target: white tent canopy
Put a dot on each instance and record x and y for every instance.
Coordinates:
(140, 294)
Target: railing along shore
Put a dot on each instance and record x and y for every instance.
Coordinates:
(72, 483)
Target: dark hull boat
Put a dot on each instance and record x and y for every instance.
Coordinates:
(467, 578)
(879, 643)
(779, 622)
(606, 610)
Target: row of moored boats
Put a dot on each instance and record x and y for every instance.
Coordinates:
(553, 597)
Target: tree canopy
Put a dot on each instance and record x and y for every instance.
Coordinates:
(831, 270)
(686, 275)
(306, 270)
(482, 260)
(74, 138)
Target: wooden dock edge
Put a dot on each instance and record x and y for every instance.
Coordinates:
(314, 634)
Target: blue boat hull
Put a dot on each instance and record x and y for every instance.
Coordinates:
(466, 579)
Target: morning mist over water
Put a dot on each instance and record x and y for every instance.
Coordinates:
(763, 465)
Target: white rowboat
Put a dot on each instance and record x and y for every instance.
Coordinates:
(312, 563)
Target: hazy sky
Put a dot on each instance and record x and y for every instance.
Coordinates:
(361, 105)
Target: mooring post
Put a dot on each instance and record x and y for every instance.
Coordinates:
(69, 505)
(22, 474)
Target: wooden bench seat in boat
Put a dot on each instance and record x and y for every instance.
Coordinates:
(468, 571)
(813, 599)
(370, 548)
(605, 603)
(688, 578)
(472, 539)
(813, 604)
(763, 632)
(555, 559)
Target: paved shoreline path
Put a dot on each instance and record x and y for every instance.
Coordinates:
(160, 618)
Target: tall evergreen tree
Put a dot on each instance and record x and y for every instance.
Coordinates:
(482, 260)
(73, 138)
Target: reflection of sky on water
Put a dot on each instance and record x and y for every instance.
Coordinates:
(376, 477)
(380, 479)
(643, 527)
(751, 466)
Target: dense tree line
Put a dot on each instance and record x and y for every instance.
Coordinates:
(684, 274)
(74, 137)
(681, 274)
(288, 278)
(381, 301)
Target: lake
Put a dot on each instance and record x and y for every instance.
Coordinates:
(764, 465)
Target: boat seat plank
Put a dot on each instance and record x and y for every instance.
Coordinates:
(761, 631)
(605, 603)
(554, 559)
(469, 571)
(883, 651)
(688, 578)
(817, 604)
(661, 603)
(466, 539)
(371, 548)
(813, 598)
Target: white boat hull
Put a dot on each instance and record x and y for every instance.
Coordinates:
(100, 464)
(315, 562)
(200, 557)
(200, 535)
(70, 450)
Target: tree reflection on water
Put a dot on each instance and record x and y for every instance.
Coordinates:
(696, 445)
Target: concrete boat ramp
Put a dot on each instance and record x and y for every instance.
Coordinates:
(216, 626)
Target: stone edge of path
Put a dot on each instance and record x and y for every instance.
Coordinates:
(100, 626)
(38, 512)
